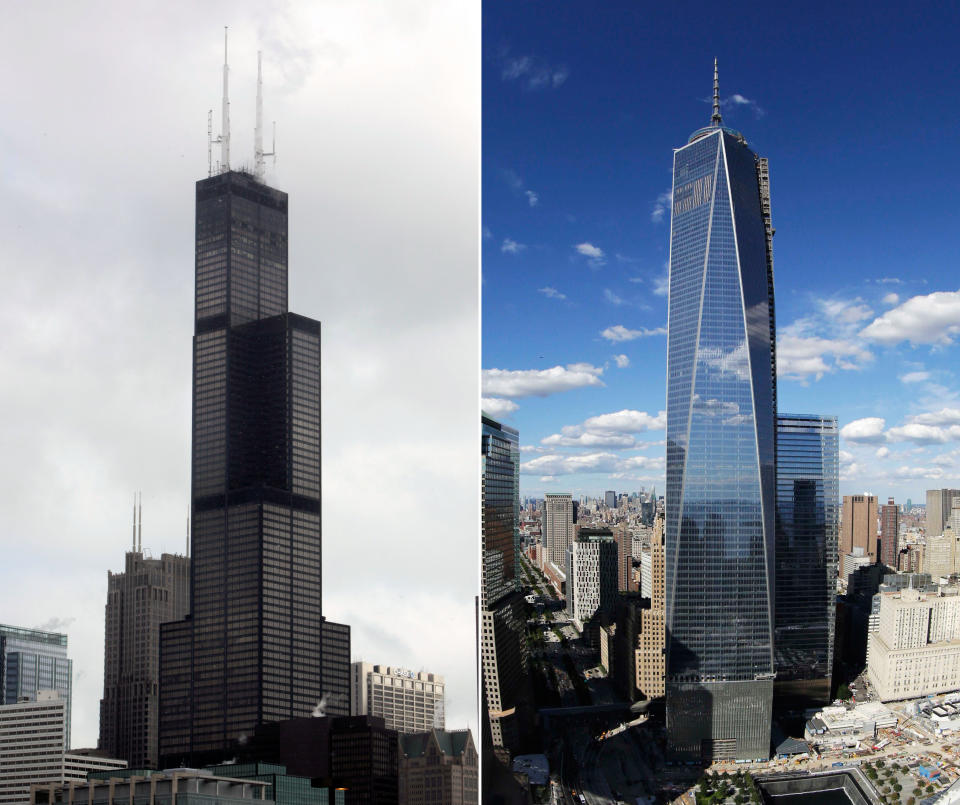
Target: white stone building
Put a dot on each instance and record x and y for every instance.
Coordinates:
(407, 701)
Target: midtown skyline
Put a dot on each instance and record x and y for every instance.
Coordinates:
(580, 119)
(98, 215)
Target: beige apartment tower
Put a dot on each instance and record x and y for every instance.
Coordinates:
(651, 665)
(858, 525)
(558, 527)
(939, 505)
(407, 701)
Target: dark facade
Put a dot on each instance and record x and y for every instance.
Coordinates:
(364, 760)
(251, 649)
(889, 533)
(502, 619)
(721, 387)
(147, 593)
(806, 558)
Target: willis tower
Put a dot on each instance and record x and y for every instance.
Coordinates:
(255, 647)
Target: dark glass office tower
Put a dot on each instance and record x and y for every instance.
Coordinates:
(252, 648)
(720, 450)
(806, 558)
(502, 619)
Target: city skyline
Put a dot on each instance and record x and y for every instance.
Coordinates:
(99, 316)
(579, 124)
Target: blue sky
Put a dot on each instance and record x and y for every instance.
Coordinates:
(858, 111)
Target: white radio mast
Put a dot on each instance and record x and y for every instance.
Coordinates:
(224, 139)
(258, 152)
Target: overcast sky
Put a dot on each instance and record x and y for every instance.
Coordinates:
(103, 132)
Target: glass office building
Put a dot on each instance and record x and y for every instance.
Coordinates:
(502, 616)
(252, 648)
(806, 558)
(720, 451)
(32, 660)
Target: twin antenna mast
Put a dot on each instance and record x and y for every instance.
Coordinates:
(223, 140)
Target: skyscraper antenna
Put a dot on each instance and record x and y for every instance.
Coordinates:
(133, 546)
(140, 525)
(225, 124)
(716, 120)
(258, 152)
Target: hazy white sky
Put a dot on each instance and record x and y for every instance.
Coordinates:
(103, 129)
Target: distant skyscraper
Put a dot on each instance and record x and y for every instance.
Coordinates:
(889, 533)
(610, 499)
(939, 505)
(806, 558)
(721, 399)
(558, 527)
(33, 660)
(858, 525)
(502, 617)
(407, 701)
(149, 592)
(251, 650)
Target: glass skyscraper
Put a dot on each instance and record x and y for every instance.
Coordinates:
(32, 660)
(721, 401)
(502, 618)
(252, 649)
(806, 558)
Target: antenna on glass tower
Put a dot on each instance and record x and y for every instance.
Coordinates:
(133, 547)
(140, 524)
(224, 139)
(716, 120)
(258, 152)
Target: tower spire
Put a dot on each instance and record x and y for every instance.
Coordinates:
(716, 120)
(258, 152)
(225, 122)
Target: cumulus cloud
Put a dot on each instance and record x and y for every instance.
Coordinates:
(497, 406)
(919, 473)
(532, 198)
(612, 298)
(661, 206)
(661, 285)
(883, 452)
(613, 430)
(619, 333)
(510, 246)
(919, 433)
(739, 101)
(552, 293)
(519, 188)
(800, 357)
(867, 430)
(914, 377)
(594, 254)
(560, 464)
(928, 319)
(945, 416)
(891, 299)
(539, 382)
(622, 361)
(531, 73)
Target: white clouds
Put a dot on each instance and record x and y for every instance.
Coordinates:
(518, 186)
(943, 417)
(497, 406)
(540, 382)
(800, 356)
(661, 285)
(930, 319)
(594, 254)
(919, 473)
(919, 433)
(883, 452)
(622, 361)
(914, 377)
(608, 430)
(532, 198)
(558, 464)
(739, 101)
(612, 298)
(551, 293)
(532, 73)
(868, 429)
(891, 299)
(619, 333)
(661, 206)
(510, 246)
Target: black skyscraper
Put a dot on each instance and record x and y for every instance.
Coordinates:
(252, 649)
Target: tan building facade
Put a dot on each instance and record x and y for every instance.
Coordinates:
(651, 660)
(438, 768)
(858, 525)
(916, 648)
(558, 527)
